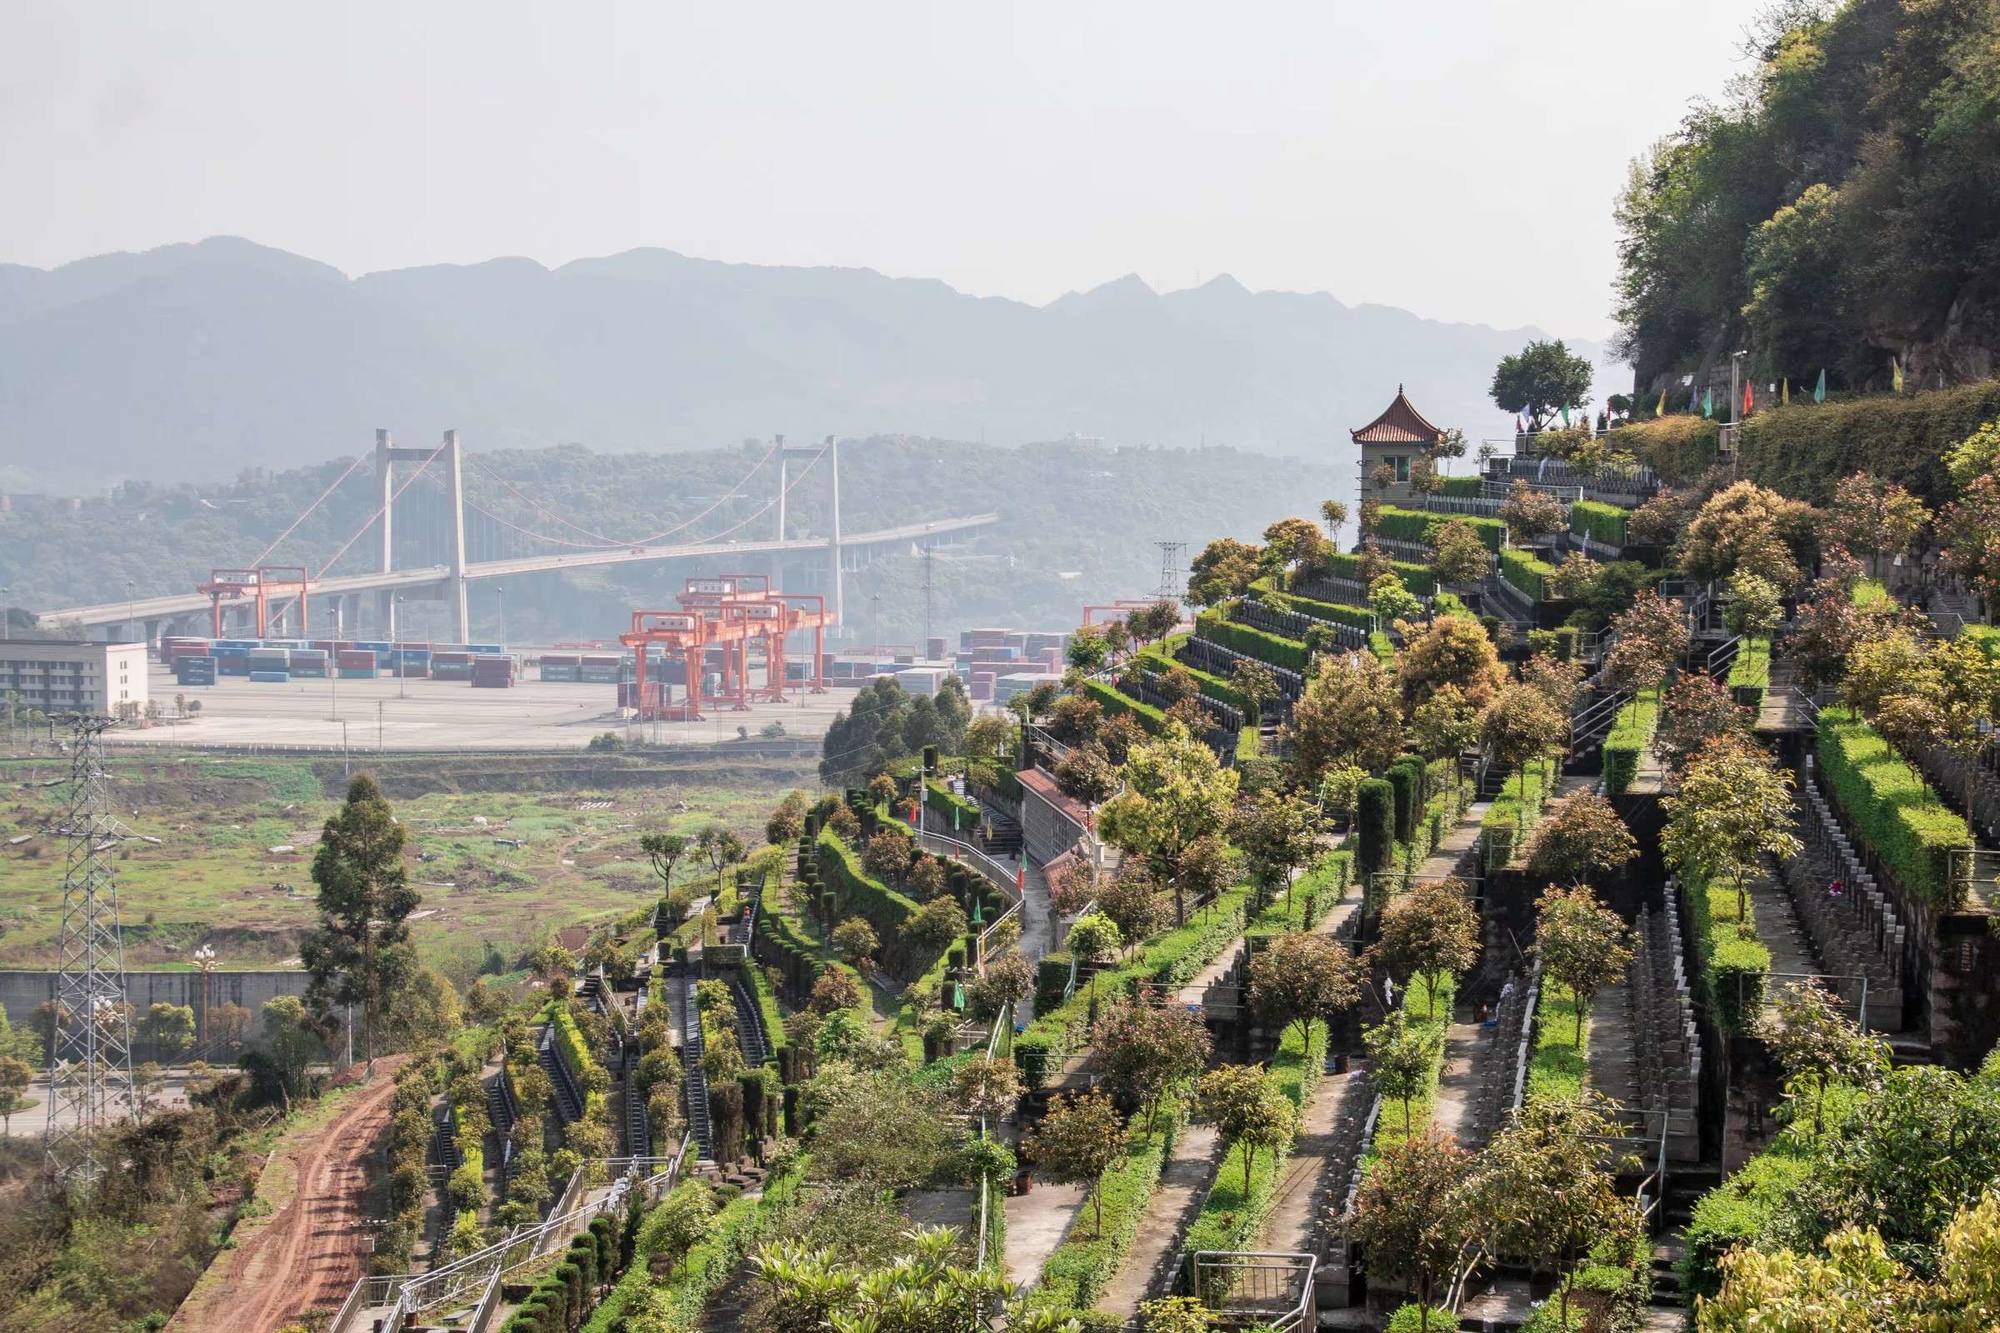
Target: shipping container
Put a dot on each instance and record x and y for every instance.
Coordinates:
(355, 657)
(195, 670)
(270, 677)
(566, 675)
(357, 673)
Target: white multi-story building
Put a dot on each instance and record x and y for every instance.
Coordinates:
(74, 676)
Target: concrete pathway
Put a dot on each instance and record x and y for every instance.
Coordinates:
(1036, 1223)
(1314, 1171)
(1778, 929)
(1183, 1185)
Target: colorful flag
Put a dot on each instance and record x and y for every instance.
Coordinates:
(1748, 398)
(1520, 426)
(1896, 374)
(1694, 396)
(1660, 409)
(1785, 392)
(1708, 401)
(1565, 416)
(1819, 390)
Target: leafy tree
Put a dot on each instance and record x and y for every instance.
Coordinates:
(1303, 977)
(1745, 526)
(356, 954)
(1580, 836)
(1075, 718)
(1086, 774)
(1429, 931)
(170, 1027)
(1076, 1142)
(1874, 517)
(1815, 1042)
(1250, 1115)
(1544, 1190)
(1293, 543)
(1733, 808)
(1410, 1217)
(1334, 514)
(1969, 530)
(722, 849)
(877, 1128)
(887, 856)
(1558, 681)
(989, 736)
(1401, 1056)
(15, 1077)
(1754, 605)
(1457, 554)
(1695, 710)
(1443, 726)
(932, 928)
(926, 878)
(1338, 789)
(1278, 833)
(1223, 569)
(1652, 636)
(1093, 939)
(1087, 650)
(1133, 900)
(1176, 794)
(855, 940)
(984, 1087)
(1351, 713)
(1391, 602)
(1530, 513)
(783, 828)
(1539, 380)
(1452, 651)
(1576, 577)
(293, 1043)
(1582, 945)
(1521, 726)
(1144, 1048)
(868, 736)
(1254, 681)
(835, 990)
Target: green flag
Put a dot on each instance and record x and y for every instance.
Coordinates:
(1819, 390)
(1565, 418)
(1708, 401)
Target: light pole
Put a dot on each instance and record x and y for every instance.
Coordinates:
(394, 621)
(131, 612)
(501, 589)
(6, 616)
(204, 961)
(1735, 388)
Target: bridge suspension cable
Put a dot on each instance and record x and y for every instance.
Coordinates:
(772, 503)
(380, 509)
(682, 526)
(307, 512)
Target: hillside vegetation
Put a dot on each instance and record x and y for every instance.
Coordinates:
(1840, 204)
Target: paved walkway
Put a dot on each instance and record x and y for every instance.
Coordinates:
(1778, 929)
(1184, 1183)
(1036, 1224)
(1467, 1048)
(1317, 1167)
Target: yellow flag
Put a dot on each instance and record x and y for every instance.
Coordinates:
(1660, 408)
(1785, 394)
(1896, 374)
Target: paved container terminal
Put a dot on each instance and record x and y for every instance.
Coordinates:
(390, 714)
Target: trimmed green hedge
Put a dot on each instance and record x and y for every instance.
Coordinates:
(1079, 1270)
(1631, 732)
(1511, 817)
(1742, 1208)
(997, 775)
(1215, 626)
(1383, 647)
(1115, 701)
(1892, 807)
(1750, 673)
(1802, 451)
(1598, 521)
(841, 868)
(1164, 656)
(946, 803)
(1462, 488)
(1354, 617)
(1415, 577)
(1556, 1069)
(1733, 965)
(1528, 572)
(1680, 447)
(1413, 525)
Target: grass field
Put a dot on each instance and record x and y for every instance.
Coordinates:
(223, 852)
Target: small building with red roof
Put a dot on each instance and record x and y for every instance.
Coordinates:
(1397, 438)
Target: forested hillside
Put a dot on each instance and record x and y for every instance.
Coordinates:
(1840, 205)
(196, 360)
(1079, 523)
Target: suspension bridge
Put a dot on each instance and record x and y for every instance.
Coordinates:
(293, 599)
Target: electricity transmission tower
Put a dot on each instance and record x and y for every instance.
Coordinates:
(90, 1065)
(1170, 570)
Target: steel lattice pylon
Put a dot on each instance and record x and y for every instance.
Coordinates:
(90, 1066)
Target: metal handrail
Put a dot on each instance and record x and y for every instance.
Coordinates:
(1527, 1050)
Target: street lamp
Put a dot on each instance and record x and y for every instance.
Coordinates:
(501, 589)
(131, 610)
(204, 961)
(395, 620)
(6, 616)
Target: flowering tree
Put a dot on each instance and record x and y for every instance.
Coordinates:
(1176, 794)
(1582, 945)
(1874, 516)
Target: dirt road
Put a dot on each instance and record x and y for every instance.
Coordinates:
(310, 1252)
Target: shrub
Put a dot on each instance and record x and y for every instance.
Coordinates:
(1894, 809)
(1802, 451)
(1412, 525)
(1076, 1274)
(1354, 617)
(1750, 674)
(1732, 964)
(1214, 625)
(1114, 701)
(1600, 522)
(1417, 578)
(1409, 1318)
(1627, 740)
(1528, 572)
(1375, 823)
(1680, 447)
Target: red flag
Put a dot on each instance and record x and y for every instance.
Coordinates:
(1747, 399)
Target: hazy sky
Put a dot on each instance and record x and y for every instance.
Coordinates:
(1457, 157)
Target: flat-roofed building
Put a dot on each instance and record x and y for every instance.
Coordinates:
(74, 676)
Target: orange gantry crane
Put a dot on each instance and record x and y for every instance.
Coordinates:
(263, 585)
(729, 613)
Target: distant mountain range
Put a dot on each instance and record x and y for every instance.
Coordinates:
(192, 362)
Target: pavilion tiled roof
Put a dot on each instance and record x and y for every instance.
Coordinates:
(1400, 423)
